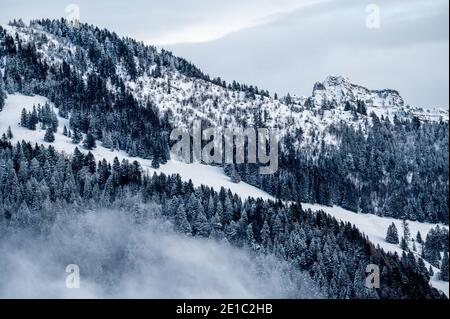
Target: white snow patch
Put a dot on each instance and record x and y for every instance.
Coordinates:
(199, 174)
(375, 228)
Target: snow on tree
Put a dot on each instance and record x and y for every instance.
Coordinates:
(2, 92)
(443, 275)
(406, 231)
(181, 222)
(9, 133)
(419, 238)
(76, 136)
(49, 136)
(392, 234)
(89, 142)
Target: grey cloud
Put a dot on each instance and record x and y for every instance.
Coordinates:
(291, 54)
(291, 51)
(120, 259)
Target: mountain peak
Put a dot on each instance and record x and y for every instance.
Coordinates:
(335, 80)
(339, 89)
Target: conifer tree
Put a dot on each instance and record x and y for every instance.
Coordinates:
(49, 136)
(24, 118)
(444, 268)
(201, 226)
(89, 141)
(76, 136)
(404, 244)
(9, 133)
(2, 93)
(181, 222)
(392, 234)
(406, 231)
(419, 238)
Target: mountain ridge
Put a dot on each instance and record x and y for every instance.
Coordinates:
(80, 87)
(338, 89)
(129, 96)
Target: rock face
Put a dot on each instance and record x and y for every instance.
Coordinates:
(339, 90)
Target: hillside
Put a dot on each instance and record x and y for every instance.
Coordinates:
(73, 88)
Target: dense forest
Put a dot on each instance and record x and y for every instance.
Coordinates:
(400, 170)
(36, 182)
(396, 168)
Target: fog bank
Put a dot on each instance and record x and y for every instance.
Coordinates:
(120, 259)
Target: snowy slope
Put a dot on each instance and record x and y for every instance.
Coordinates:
(198, 173)
(186, 99)
(373, 226)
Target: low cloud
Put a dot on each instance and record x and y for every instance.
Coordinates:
(119, 259)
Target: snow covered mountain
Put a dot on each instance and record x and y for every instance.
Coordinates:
(186, 98)
(371, 225)
(345, 145)
(116, 77)
(339, 90)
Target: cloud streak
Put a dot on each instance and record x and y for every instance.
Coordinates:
(233, 18)
(285, 45)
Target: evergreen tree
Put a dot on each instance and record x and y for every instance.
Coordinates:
(9, 133)
(201, 226)
(22, 217)
(392, 234)
(2, 93)
(33, 119)
(251, 242)
(406, 231)
(432, 247)
(24, 118)
(419, 238)
(444, 268)
(49, 136)
(235, 178)
(155, 163)
(107, 141)
(404, 244)
(265, 236)
(76, 136)
(54, 122)
(89, 141)
(181, 222)
(361, 108)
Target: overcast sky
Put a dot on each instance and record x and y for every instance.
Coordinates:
(285, 45)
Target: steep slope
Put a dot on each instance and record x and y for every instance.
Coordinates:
(198, 173)
(129, 96)
(362, 143)
(371, 225)
(345, 145)
(187, 96)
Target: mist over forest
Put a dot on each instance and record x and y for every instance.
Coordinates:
(119, 258)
